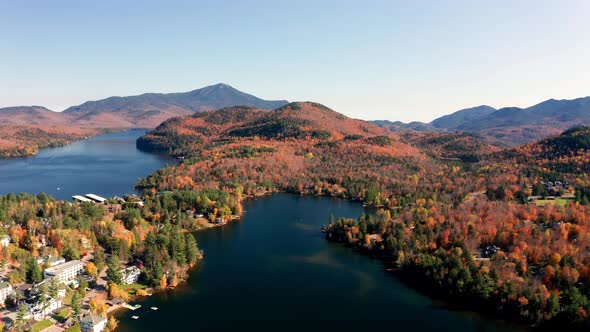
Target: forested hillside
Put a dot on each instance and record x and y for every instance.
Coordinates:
(507, 232)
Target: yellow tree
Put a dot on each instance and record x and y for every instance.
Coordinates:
(98, 306)
(91, 269)
(163, 282)
(112, 323)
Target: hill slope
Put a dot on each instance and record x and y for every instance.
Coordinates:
(295, 121)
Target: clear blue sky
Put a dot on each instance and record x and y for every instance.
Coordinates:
(397, 60)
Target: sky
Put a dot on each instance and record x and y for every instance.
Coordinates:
(408, 60)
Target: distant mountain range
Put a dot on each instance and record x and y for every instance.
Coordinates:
(143, 111)
(509, 125)
(151, 109)
(26, 129)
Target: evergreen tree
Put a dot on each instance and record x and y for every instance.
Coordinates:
(34, 273)
(192, 250)
(114, 270)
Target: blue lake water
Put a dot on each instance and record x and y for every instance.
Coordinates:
(106, 165)
(274, 271)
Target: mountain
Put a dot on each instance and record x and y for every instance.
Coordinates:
(449, 146)
(455, 120)
(25, 129)
(30, 115)
(150, 109)
(294, 121)
(508, 126)
(397, 126)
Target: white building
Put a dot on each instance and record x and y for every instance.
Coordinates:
(4, 240)
(51, 261)
(130, 274)
(66, 272)
(39, 310)
(5, 291)
(96, 198)
(93, 323)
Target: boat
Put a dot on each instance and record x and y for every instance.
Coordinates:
(154, 308)
(135, 317)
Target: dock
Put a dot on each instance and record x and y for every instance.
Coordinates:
(131, 307)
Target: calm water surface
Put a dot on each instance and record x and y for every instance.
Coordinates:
(271, 271)
(106, 165)
(274, 271)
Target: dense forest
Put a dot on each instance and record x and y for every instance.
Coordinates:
(20, 141)
(155, 233)
(506, 231)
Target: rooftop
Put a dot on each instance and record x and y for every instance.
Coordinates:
(93, 319)
(61, 267)
(81, 198)
(96, 198)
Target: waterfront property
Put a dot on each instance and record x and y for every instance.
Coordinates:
(66, 272)
(130, 274)
(93, 323)
(81, 199)
(96, 198)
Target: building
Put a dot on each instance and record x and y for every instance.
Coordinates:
(66, 272)
(51, 261)
(5, 291)
(130, 274)
(96, 198)
(40, 310)
(93, 323)
(4, 240)
(81, 199)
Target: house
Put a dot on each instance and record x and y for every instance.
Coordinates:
(130, 274)
(93, 323)
(66, 272)
(5, 291)
(51, 261)
(39, 309)
(4, 240)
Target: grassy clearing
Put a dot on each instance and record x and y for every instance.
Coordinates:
(42, 325)
(73, 328)
(63, 314)
(132, 288)
(559, 201)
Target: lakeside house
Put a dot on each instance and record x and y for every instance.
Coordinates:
(66, 272)
(93, 323)
(130, 274)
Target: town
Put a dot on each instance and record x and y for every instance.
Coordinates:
(45, 291)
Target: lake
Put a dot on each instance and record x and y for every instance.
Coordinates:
(273, 270)
(105, 165)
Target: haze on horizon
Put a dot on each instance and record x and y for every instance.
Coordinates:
(395, 60)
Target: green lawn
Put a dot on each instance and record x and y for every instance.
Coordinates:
(132, 288)
(63, 314)
(73, 328)
(559, 201)
(42, 325)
